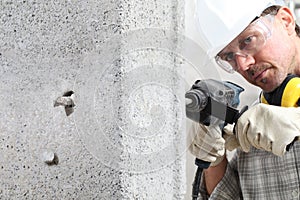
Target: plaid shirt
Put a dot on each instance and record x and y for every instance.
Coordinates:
(260, 175)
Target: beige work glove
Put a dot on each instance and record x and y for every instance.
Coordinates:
(231, 142)
(268, 127)
(206, 143)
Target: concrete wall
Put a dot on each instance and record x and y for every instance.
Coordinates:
(125, 138)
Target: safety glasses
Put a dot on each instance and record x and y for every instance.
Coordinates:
(248, 43)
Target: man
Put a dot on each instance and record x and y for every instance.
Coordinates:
(260, 40)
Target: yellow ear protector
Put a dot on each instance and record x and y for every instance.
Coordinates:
(286, 95)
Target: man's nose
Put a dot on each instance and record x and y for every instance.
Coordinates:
(244, 61)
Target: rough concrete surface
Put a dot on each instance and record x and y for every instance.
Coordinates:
(124, 137)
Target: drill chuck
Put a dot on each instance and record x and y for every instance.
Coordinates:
(196, 100)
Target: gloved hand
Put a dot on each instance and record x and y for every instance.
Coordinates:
(231, 142)
(268, 127)
(206, 143)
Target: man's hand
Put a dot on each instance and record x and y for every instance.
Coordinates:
(268, 127)
(231, 142)
(207, 143)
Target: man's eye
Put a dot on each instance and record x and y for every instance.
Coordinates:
(247, 42)
(228, 56)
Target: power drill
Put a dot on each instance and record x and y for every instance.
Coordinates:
(211, 98)
(211, 101)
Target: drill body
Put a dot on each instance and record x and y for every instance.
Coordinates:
(210, 99)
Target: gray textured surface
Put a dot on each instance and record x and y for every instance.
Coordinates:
(122, 141)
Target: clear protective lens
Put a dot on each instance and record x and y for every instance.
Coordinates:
(225, 65)
(250, 42)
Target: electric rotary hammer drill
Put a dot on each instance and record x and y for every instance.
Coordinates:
(210, 101)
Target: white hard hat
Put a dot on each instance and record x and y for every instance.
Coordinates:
(220, 21)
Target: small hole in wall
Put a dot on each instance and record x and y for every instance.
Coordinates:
(51, 158)
(68, 93)
(67, 101)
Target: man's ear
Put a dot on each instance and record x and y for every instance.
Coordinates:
(287, 19)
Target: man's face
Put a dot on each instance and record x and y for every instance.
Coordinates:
(263, 53)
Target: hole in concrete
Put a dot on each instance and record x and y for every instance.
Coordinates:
(66, 100)
(50, 158)
(68, 93)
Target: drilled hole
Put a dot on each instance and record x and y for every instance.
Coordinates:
(68, 93)
(67, 101)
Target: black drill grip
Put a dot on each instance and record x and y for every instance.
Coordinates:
(201, 163)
